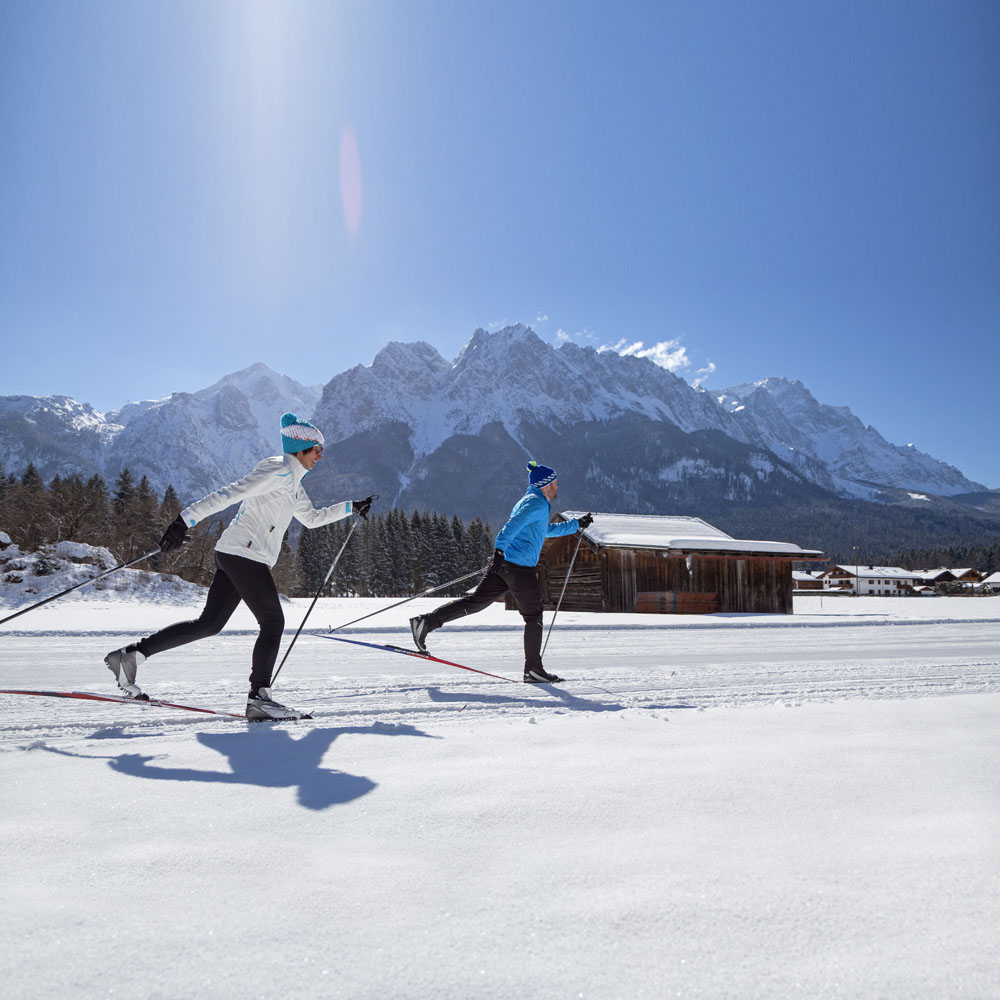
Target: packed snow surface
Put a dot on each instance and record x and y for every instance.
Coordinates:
(714, 806)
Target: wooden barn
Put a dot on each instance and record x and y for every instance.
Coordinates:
(667, 565)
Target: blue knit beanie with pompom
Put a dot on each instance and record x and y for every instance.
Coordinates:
(540, 475)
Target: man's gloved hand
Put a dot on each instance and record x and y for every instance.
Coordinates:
(498, 561)
(586, 521)
(361, 507)
(175, 535)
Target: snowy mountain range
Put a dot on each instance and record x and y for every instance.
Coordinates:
(783, 416)
(195, 441)
(424, 431)
(628, 433)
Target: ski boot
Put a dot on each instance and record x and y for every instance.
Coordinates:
(261, 707)
(124, 663)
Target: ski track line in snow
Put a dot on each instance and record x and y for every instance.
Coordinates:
(736, 625)
(444, 700)
(658, 669)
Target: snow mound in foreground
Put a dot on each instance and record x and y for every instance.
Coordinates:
(27, 577)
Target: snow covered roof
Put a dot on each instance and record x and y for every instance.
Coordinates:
(933, 574)
(875, 572)
(684, 534)
(992, 578)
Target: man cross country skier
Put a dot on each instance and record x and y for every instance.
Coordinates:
(247, 550)
(518, 546)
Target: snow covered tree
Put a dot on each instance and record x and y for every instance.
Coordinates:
(69, 508)
(379, 559)
(478, 544)
(96, 526)
(28, 506)
(348, 578)
(313, 558)
(285, 571)
(400, 552)
(443, 563)
(170, 505)
(146, 514)
(123, 516)
(6, 490)
(422, 536)
(196, 559)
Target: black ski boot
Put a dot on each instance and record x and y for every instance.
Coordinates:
(539, 675)
(420, 628)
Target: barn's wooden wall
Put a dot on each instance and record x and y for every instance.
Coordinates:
(643, 580)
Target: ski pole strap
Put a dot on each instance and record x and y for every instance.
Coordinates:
(69, 590)
(406, 600)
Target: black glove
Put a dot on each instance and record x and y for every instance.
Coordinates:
(498, 562)
(361, 507)
(586, 521)
(175, 535)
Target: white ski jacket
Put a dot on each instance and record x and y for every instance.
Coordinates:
(271, 496)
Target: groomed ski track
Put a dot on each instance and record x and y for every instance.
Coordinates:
(659, 668)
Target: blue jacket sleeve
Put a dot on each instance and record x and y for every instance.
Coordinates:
(565, 528)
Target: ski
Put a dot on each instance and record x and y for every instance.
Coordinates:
(417, 654)
(124, 700)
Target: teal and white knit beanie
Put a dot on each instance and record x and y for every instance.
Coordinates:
(298, 434)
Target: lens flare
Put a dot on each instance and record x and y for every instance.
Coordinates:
(350, 181)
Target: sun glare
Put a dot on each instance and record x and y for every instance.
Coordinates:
(350, 181)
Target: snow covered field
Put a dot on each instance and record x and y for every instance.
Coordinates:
(723, 806)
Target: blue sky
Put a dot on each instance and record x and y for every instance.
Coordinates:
(806, 189)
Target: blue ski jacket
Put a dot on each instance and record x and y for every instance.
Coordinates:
(522, 537)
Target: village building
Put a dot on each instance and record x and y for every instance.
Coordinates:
(803, 581)
(877, 581)
(666, 565)
(991, 584)
(966, 576)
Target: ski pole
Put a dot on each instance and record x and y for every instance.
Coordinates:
(69, 590)
(565, 582)
(406, 600)
(326, 580)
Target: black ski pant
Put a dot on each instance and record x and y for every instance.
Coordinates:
(236, 579)
(522, 582)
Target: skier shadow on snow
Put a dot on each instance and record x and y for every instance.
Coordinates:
(551, 696)
(269, 758)
(118, 733)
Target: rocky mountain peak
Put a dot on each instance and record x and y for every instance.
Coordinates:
(411, 412)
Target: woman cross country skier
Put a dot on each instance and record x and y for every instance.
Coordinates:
(270, 496)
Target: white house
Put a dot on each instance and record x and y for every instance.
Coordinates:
(880, 581)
